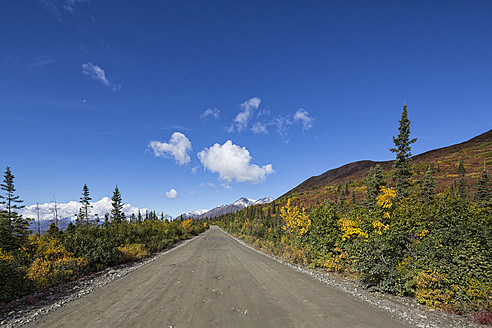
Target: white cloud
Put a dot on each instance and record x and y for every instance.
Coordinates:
(172, 194)
(226, 186)
(283, 124)
(232, 162)
(40, 61)
(58, 7)
(302, 116)
(97, 73)
(71, 209)
(259, 127)
(178, 147)
(214, 112)
(244, 116)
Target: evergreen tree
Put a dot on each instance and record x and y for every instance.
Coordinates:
(483, 193)
(462, 185)
(84, 209)
(428, 186)
(9, 200)
(13, 228)
(461, 168)
(117, 210)
(374, 181)
(402, 149)
(139, 217)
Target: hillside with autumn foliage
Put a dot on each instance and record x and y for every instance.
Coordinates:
(416, 227)
(474, 153)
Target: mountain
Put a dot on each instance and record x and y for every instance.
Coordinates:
(475, 153)
(264, 200)
(71, 209)
(192, 214)
(234, 207)
(67, 212)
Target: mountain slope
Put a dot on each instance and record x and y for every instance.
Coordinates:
(474, 153)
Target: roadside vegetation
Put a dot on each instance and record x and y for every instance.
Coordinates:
(32, 262)
(400, 237)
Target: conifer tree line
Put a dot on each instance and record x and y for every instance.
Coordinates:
(32, 262)
(400, 237)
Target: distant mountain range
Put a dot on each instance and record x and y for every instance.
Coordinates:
(226, 209)
(67, 212)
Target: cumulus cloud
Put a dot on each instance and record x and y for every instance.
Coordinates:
(302, 117)
(244, 116)
(232, 162)
(213, 112)
(71, 209)
(178, 147)
(172, 194)
(97, 73)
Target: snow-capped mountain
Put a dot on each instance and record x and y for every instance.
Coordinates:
(239, 204)
(67, 212)
(244, 202)
(192, 214)
(71, 209)
(264, 200)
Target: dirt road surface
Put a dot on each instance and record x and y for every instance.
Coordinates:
(214, 281)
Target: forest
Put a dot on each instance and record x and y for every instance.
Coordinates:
(400, 236)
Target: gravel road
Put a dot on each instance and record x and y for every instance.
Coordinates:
(214, 281)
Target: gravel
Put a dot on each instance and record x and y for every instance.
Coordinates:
(405, 309)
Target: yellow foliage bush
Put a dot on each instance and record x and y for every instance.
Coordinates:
(5, 256)
(378, 226)
(384, 198)
(54, 264)
(335, 262)
(186, 225)
(350, 229)
(431, 289)
(133, 252)
(296, 221)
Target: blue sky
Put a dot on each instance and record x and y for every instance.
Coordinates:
(219, 100)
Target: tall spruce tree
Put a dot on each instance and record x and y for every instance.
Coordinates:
(117, 215)
(428, 186)
(13, 228)
(462, 184)
(483, 193)
(402, 165)
(86, 205)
